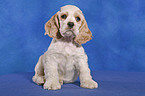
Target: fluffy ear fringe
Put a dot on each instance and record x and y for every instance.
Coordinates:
(52, 26)
(84, 33)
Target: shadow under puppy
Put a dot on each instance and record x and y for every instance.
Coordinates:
(65, 58)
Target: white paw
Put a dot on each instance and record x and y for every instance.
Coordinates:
(38, 80)
(52, 85)
(89, 84)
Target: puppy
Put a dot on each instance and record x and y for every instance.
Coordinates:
(65, 58)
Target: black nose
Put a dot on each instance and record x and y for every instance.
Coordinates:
(70, 24)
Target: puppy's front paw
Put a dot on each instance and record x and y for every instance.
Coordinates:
(89, 84)
(52, 85)
(38, 79)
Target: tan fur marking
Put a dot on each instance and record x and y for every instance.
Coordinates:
(52, 27)
(84, 35)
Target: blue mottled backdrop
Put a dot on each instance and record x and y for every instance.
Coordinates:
(118, 28)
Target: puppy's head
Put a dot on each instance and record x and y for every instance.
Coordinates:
(69, 22)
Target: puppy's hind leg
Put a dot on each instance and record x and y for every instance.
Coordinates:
(38, 78)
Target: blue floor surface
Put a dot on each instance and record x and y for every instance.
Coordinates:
(110, 84)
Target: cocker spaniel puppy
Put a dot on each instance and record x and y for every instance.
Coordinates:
(65, 58)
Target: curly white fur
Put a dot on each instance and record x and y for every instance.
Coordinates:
(64, 61)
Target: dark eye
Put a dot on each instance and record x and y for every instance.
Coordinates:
(78, 19)
(64, 16)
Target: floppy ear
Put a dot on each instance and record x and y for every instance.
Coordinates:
(84, 33)
(52, 27)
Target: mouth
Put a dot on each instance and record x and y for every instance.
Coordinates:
(69, 33)
(69, 30)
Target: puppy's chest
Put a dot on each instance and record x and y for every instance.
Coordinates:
(68, 49)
